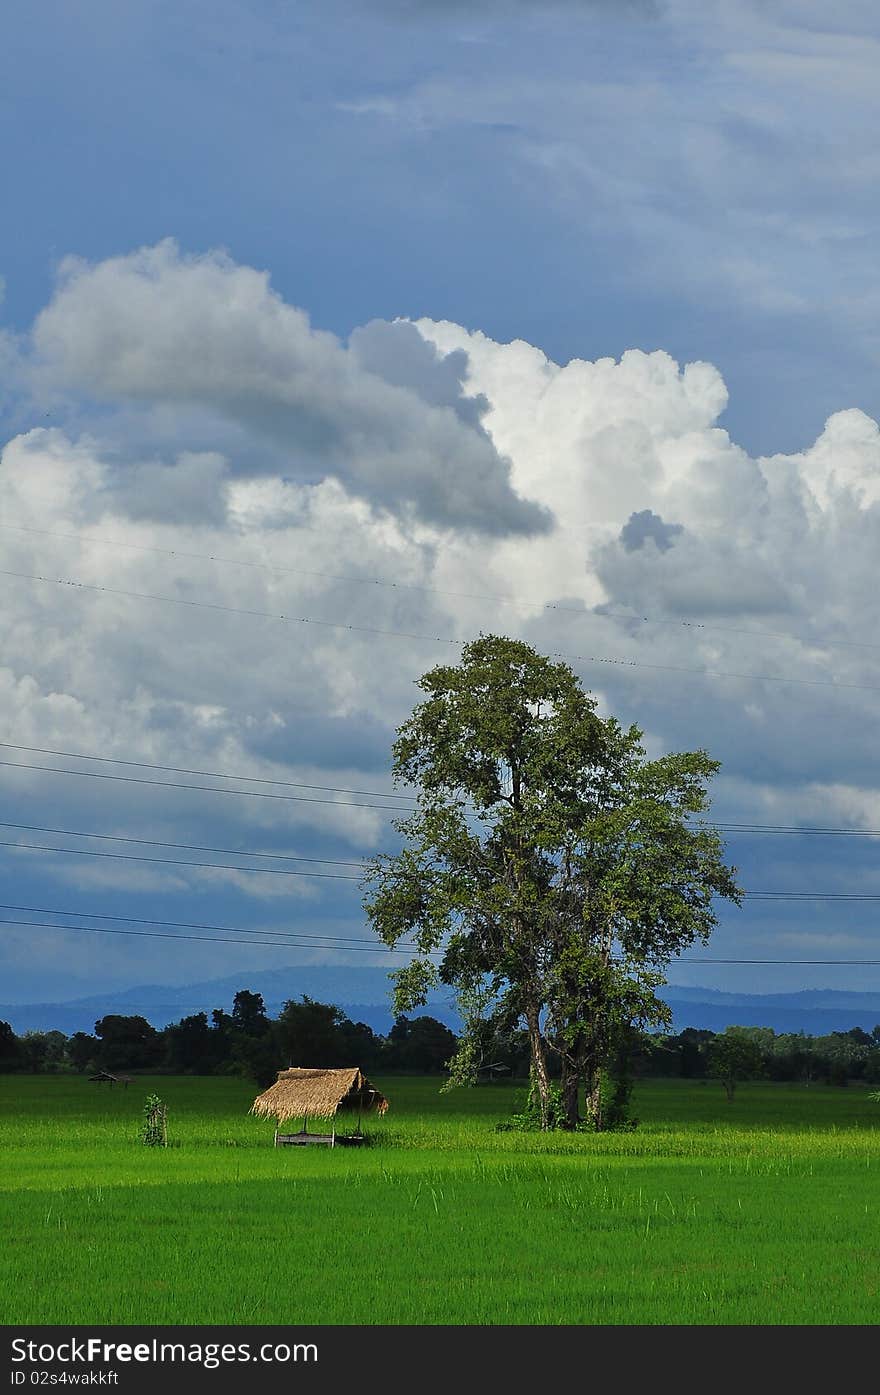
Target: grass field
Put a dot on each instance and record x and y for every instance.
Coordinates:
(766, 1211)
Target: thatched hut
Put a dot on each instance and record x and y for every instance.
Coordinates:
(304, 1092)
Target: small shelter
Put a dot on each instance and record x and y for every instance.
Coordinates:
(304, 1092)
(104, 1077)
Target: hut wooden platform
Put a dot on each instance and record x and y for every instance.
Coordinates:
(305, 1092)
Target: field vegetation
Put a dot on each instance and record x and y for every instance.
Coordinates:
(761, 1211)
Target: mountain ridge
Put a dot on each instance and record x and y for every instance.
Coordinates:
(364, 994)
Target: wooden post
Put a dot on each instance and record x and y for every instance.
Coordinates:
(275, 1141)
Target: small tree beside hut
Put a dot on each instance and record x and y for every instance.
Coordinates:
(154, 1130)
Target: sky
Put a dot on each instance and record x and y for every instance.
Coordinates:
(333, 335)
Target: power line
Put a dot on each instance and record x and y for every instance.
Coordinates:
(211, 774)
(813, 895)
(182, 924)
(276, 938)
(340, 876)
(864, 962)
(202, 939)
(208, 789)
(442, 639)
(378, 949)
(496, 597)
(229, 609)
(783, 828)
(187, 847)
(180, 862)
(151, 765)
(720, 827)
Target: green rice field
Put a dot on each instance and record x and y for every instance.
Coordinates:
(766, 1211)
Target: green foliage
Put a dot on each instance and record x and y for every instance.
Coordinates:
(153, 1128)
(535, 1115)
(547, 858)
(735, 1055)
(310, 1033)
(420, 1044)
(42, 1051)
(127, 1043)
(10, 1048)
(82, 1051)
(616, 1085)
(249, 1014)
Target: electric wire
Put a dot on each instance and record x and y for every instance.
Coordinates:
(187, 847)
(180, 862)
(276, 938)
(208, 774)
(207, 789)
(496, 597)
(442, 639)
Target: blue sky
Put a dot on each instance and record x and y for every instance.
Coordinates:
(447, 296)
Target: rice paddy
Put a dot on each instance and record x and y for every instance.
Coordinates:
(766, 1211)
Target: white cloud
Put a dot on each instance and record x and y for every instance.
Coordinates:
(156, 327)
(771, 564)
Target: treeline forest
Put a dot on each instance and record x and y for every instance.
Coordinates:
(247, 1042)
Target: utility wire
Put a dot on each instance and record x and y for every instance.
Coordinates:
(180, 862)
(211, 774)
(442, 639)
(719, 827)
(782, 828)
(345, 877)
(864, 962)
(203, 939)
(187, 847)
(275, 938)
(209, 789)
(378, 949)
(181, 924)
(813, 895)
(496, 597)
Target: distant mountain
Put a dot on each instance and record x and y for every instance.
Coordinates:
(815, 1011)
(364, 994)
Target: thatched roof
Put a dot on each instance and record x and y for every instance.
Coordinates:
(305, 1091)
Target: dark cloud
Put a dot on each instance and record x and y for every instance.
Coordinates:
(192, 490)
(397, 353)
(181, 332)
(645, 525)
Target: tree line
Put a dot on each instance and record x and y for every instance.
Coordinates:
(245, 1041)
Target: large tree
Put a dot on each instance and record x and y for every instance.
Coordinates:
(547, 858)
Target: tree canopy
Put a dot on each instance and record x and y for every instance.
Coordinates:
(549, 866)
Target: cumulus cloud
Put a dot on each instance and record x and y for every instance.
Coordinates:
(160, 328)
(682, 577)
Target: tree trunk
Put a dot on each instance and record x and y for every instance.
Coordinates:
(539, 1065)
(571, 1081)
(594, 1098)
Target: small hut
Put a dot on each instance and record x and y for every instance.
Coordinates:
(304, 1092)
(104, 1077)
